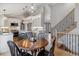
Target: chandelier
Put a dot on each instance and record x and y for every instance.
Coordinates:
(32, 8)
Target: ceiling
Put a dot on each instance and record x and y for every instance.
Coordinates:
(19, 9)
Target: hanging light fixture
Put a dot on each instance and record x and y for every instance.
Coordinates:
(31, 9)
(3, 15)
(3, 27)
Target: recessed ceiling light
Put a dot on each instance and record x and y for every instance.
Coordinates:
(32, 7)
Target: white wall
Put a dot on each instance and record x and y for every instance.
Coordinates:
(76, 30)
(59, 11)
(47, 13)
(1, 22)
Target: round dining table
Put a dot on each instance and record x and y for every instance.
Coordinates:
(29, 45)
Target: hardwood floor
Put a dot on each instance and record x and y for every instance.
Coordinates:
(60, 52)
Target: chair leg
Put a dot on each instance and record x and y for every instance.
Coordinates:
(23, 50)
(34, 52)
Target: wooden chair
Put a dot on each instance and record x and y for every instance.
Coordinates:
(15, 51)
(48, 53)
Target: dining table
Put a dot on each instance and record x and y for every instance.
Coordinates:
(32, 46)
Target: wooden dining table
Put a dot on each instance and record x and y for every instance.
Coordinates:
(28, 45)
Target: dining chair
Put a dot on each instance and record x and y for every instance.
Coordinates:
(45, 52)
(15, 51)
(22, 36)
(29, 34)
(41, 35)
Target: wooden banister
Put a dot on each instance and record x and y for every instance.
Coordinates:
(68, 41)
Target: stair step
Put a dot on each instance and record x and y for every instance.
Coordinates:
(71, 27)
(60, 34)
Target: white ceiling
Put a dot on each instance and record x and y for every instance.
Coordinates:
(15, 9)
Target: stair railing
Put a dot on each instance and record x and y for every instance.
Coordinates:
(65, 23)
(70, 41)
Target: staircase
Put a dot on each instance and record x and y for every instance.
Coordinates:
(68, 29)
(68, 42)
(65, 25)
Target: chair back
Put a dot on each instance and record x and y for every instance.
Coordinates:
(22, 36)
(43, 53)
(42, 35)
(13, 48)
(48, 53)
(29, 34)
(53, 47)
